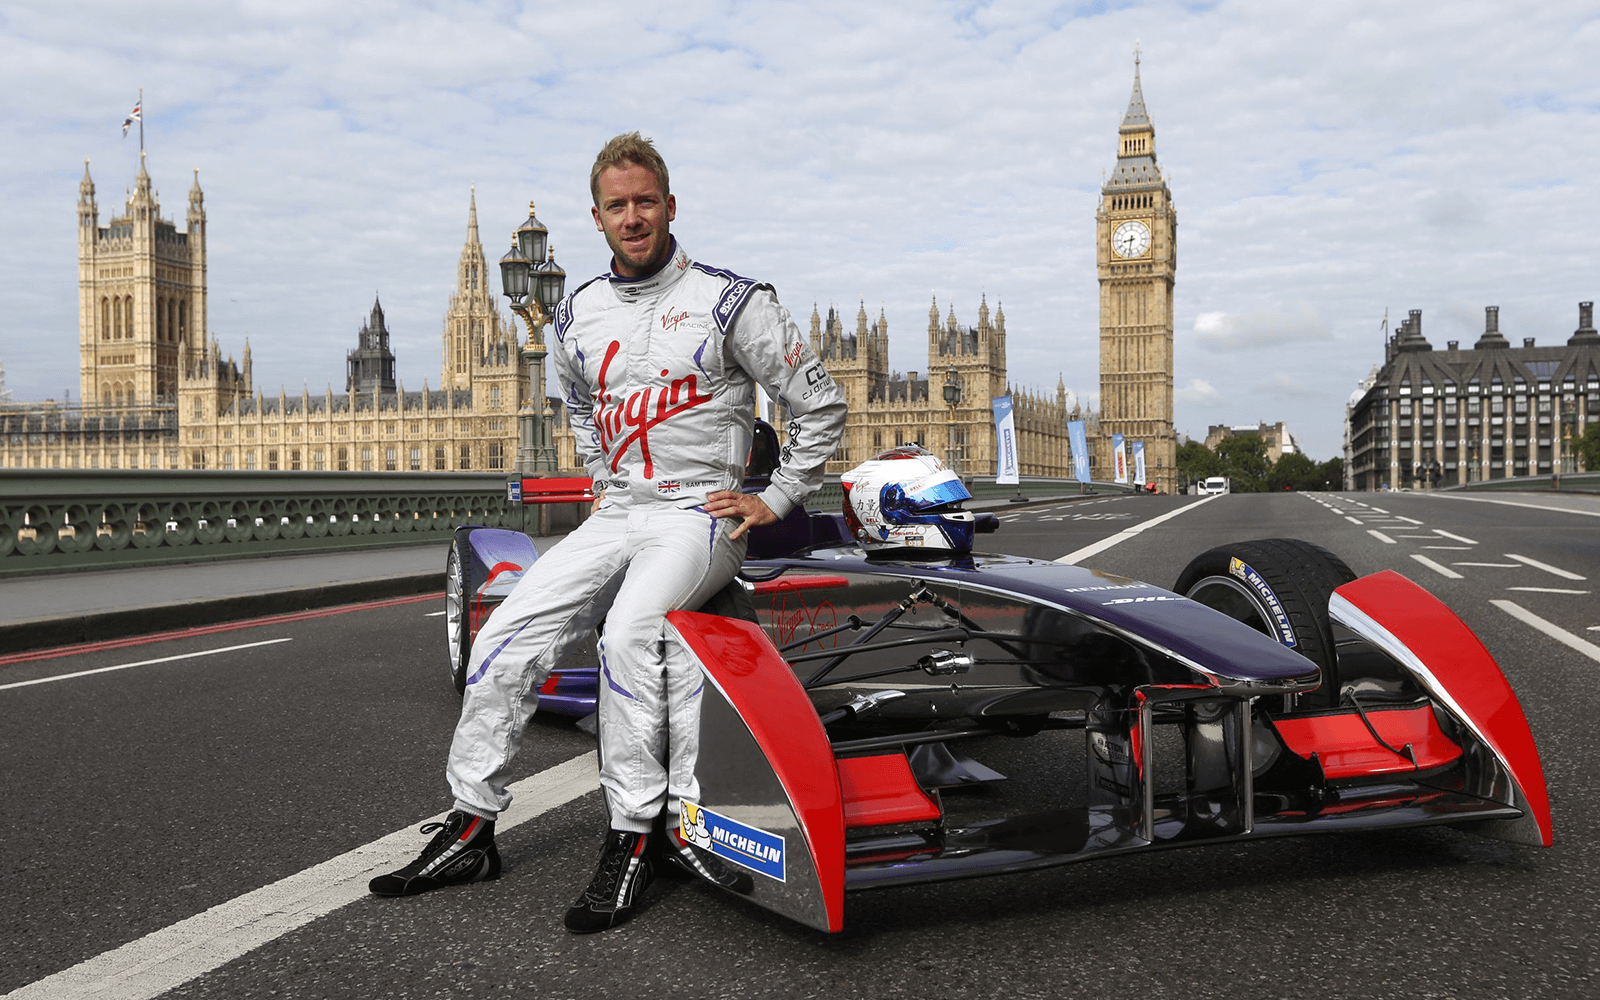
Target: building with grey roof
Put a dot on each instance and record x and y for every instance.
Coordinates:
(1460, 415)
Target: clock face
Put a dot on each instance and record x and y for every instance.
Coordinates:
(1131, 239)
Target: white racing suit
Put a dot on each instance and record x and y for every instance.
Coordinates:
(659, 377)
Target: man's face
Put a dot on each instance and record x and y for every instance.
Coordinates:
(634, 214)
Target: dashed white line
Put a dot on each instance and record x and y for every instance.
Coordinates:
(1490, 565)
(1095, 548)
(1441, 531)
(1550, 629)
(1548, 590)
(174, 955)
(141, 663)
(1408, 520)
(1380, 536)
(1444, 571)
(1352, 520)
(1450, 548)
(1536, 564)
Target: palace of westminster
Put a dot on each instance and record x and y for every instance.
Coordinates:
(157, 392)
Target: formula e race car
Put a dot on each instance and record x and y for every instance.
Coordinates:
(851, 687)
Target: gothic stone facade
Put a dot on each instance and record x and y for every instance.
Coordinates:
(1137, 259)
(158, 394)
(889, 409)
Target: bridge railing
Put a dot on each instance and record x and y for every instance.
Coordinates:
(58, 519)
(65, 519)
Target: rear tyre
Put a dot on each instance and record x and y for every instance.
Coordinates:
(1280, 587)
(456, 600)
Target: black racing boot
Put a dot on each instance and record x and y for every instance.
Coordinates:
(462, 851)
(702, 864)
(623, 873)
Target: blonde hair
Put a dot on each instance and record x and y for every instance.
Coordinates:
(630, 147)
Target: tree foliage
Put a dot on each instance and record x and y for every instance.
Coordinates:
(1587, 445)
(1293, 471)
(1243, 459)
(1196, 462)
(1244, 462)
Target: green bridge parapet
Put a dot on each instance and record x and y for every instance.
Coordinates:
(67, 519)
(54, 520)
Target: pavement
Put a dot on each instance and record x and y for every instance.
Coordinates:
(64, 609)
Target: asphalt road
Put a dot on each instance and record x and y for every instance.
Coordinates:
(141, 797)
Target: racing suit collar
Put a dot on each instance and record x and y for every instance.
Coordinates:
(676, 264)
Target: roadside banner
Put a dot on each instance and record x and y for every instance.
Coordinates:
(1119, 454)
(1138, 463)
(1005, 436)
(1079, 440)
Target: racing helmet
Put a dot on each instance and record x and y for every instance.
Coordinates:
(906, 498)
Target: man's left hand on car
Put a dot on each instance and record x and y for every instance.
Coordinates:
(752, 511)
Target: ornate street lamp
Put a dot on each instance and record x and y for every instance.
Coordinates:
(1569, 420)
(952, 398)
(534, 283)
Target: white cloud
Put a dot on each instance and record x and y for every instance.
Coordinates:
(1199, 392)
(1261, 331)
(1327, 162)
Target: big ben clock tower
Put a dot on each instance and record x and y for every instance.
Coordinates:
(1136, 252)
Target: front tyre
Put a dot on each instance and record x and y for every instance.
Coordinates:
(1280, 587)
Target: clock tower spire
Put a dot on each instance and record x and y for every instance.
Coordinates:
(1136, 254)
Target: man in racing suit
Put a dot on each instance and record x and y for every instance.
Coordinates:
(657, 362)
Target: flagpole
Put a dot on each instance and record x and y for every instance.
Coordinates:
(141, 123)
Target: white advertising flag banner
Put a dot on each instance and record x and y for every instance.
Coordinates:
(1005, 436)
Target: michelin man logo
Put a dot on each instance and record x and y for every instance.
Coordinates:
(747, 846)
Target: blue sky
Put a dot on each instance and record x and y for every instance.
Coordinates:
(1328, 163)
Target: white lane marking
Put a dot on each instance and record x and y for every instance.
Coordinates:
(1444, 571)
(1408, 520)
(172, 956)
(1375, 510)
(1548, 590)
(1380, 536)
(1554, 631)
(1593, 628)
(1514, 503)
(435, 614)
(1536, 564)
(1441, 531)
(1352, 520)
(1490, 565)
(141, 663)
(1415, 538)
(1450, 548)
(1095, 548)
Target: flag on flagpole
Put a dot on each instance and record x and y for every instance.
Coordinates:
(133, 116)
(1079, 439)
(1005, 428)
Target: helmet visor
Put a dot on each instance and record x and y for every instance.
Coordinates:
(936, 495)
